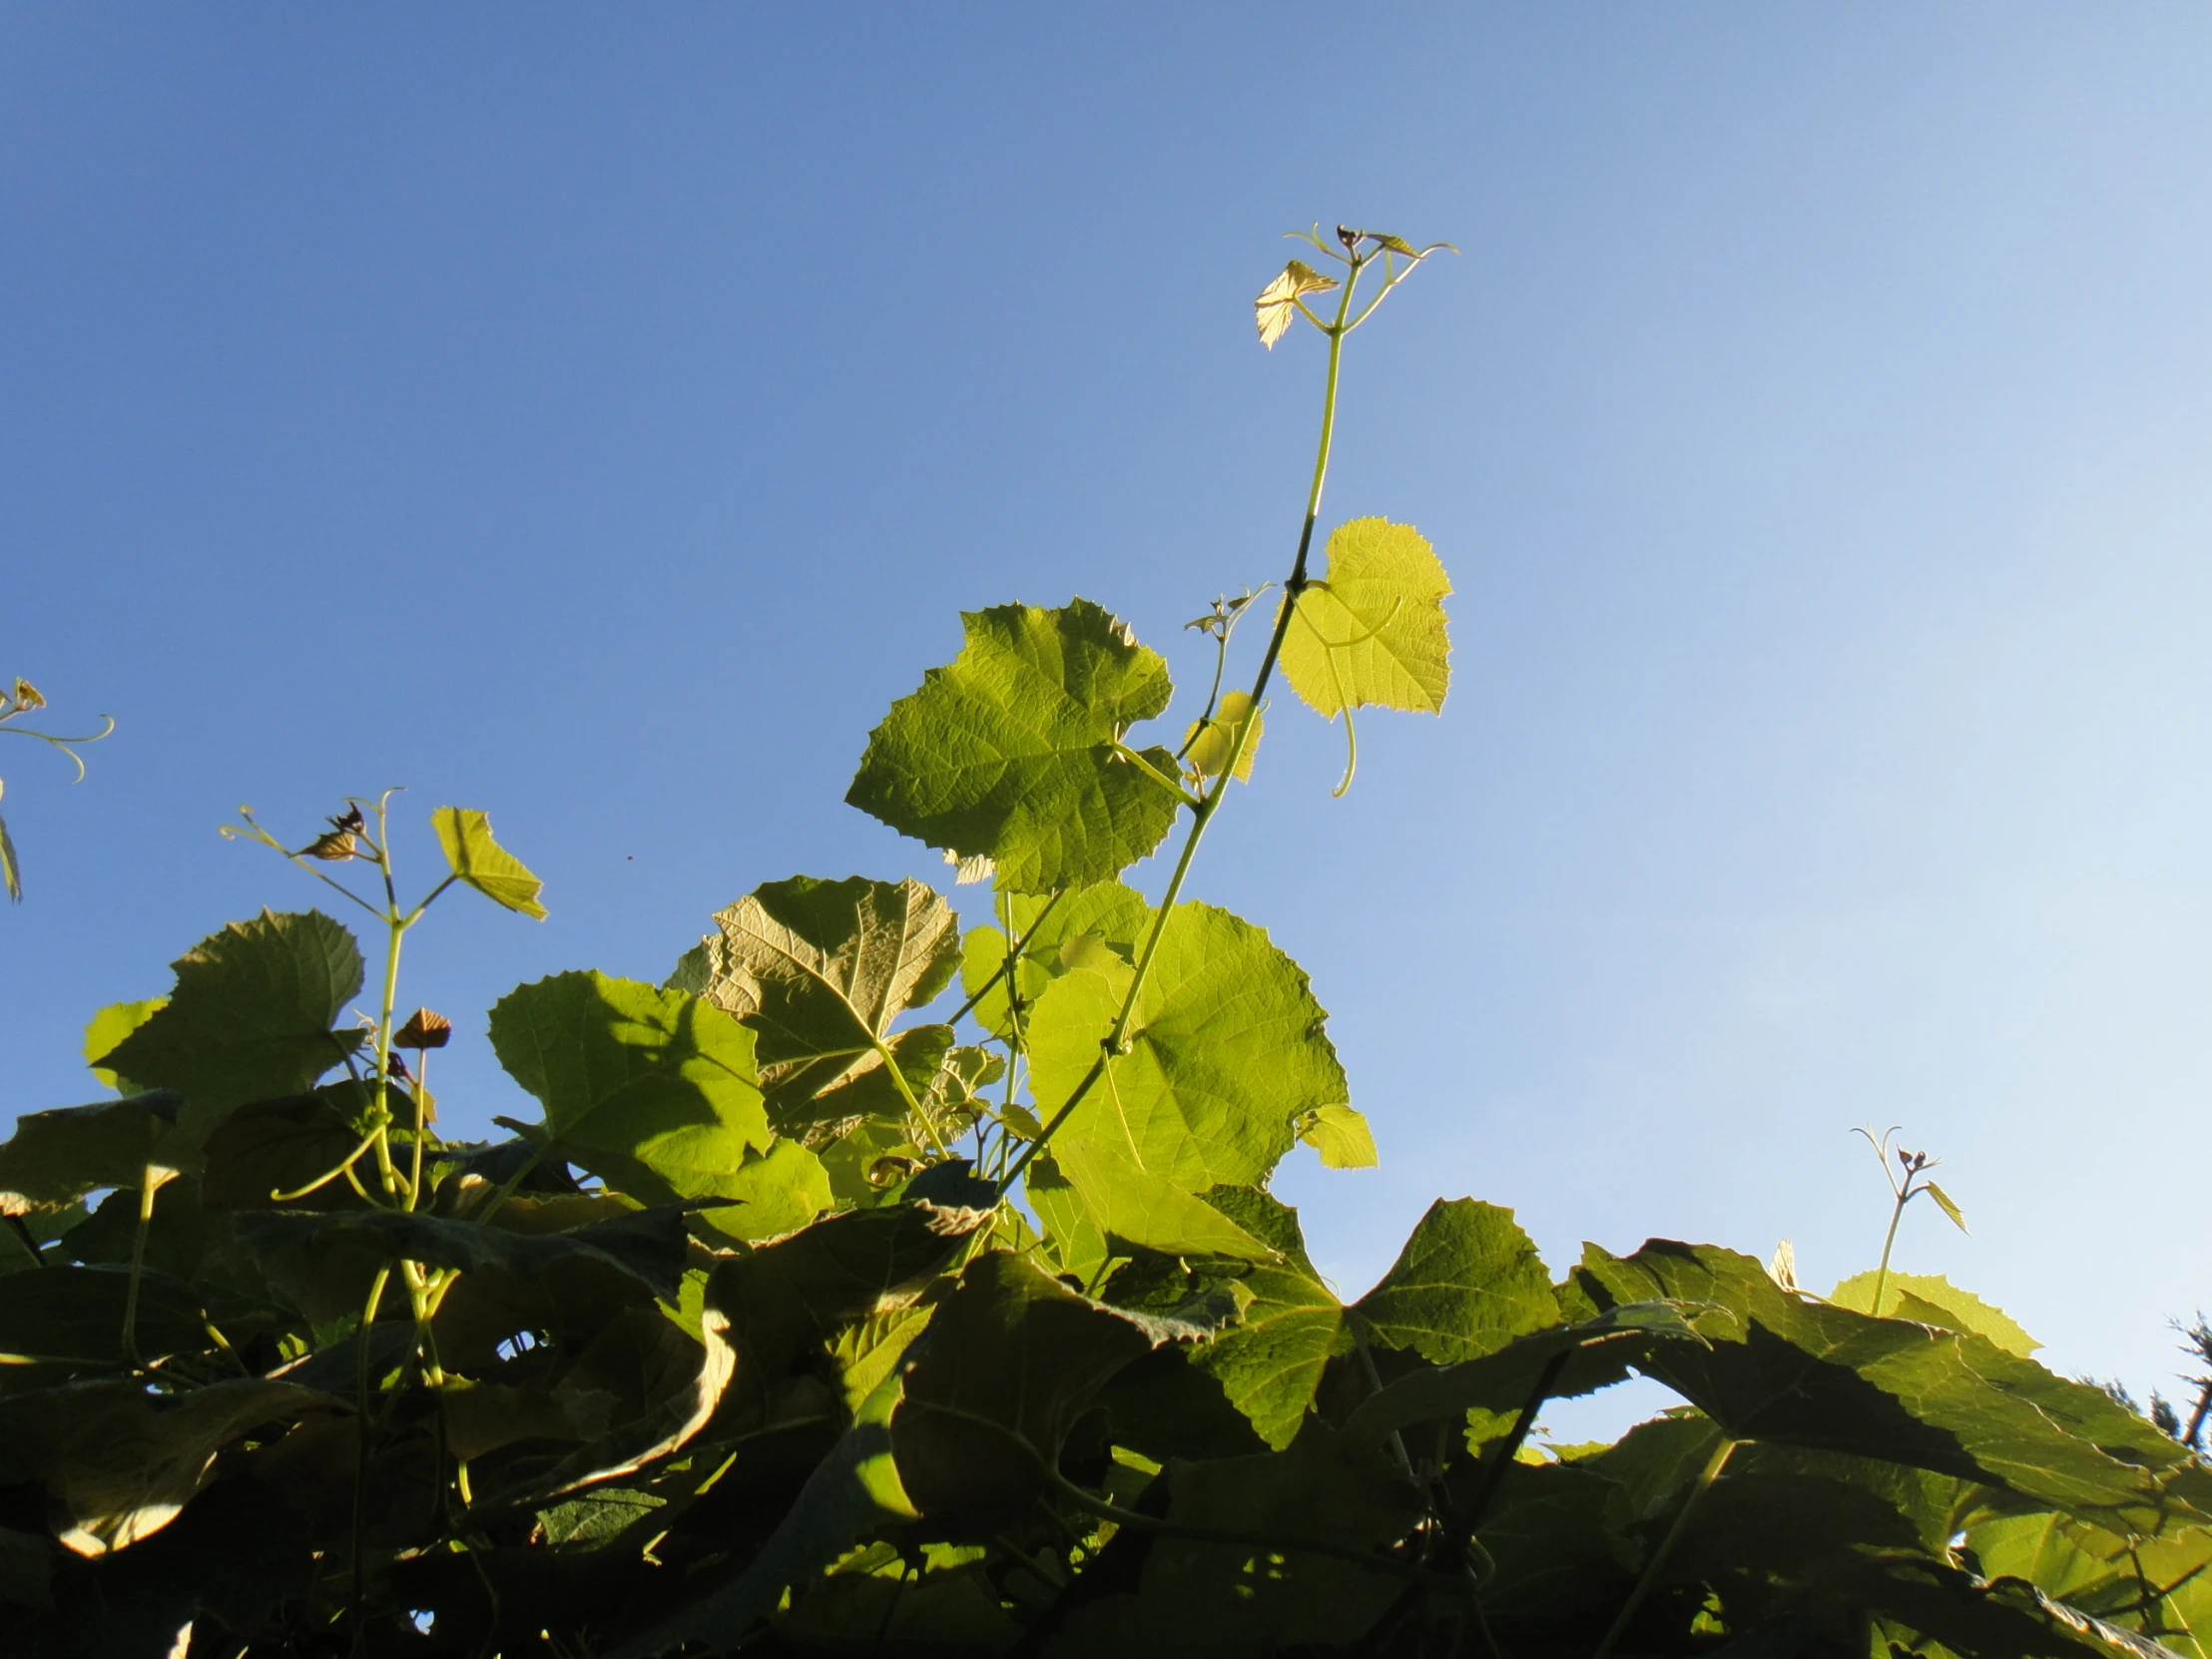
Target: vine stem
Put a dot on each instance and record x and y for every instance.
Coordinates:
(1203, 811)
(1706, 1477)
(1889, 1243)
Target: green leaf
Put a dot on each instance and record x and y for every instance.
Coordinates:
(778, 1192)
(1269, 1363)
(1210, 742)
(74, 1316)
(1130, 1205)
(119, 1462)
(819, 970)
(11, 867)
(1812, 1375)
(108, 1029)
(647, 1245)
(1588, 1356)
(853, 1491)
(56, 1157)
(596, 1518)
(1933, 1300)
(1014, 1356)
(2102, 1573)
(1077, 1244)
(1467, 1281)
(481, 862)
(1013, 750)
(1251, 1600)
(1226, 1054)
(251, 1017)
(786, 1303)
(1276, 304)
(278, 1146)
(650, 1090)
(1064, 932)
(1372, 630)
(1944, 1203)
(1342, 1137)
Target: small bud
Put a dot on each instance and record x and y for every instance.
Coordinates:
(423, 1030)
(1351, 239)
(26, 694)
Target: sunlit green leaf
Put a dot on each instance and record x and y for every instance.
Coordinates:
(1944, 1203)
(481, 862)
(1212, 741)
(650, 1090)
(1933, 1300)
(780, 1191)
(1467, 1281)
(106, 1030)
(1342, 1137)
(820, 970)
(1107, 913)
(1269, 1363)
(1371, 630)
(1226, 1055)
(1012, 750)
(1276, 304)
(251, 1017)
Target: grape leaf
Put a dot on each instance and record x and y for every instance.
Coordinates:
(108, 1028)
(1467, 1281)
(250, 1019)
(820, 970)
(1014, 1358)
(1933, 1300)
(1373, 629)
(1342, 1137)
(650, 1090)
(1106, 913)
(1276, 304)
(1814, 1374)
(1210, 742)
(1269, 1363)
(481, 862)
(1012, 750)
(781, 1191)
(1226, 1054)
(56, 1157)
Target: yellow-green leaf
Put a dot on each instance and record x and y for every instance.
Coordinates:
(1212, 741)
(1277, 304)
(1373, 629)
(483, 863)
(1342, 1137)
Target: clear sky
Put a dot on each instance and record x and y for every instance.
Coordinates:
(599, 414)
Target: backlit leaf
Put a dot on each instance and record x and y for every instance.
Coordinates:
(1933, 1300)
(108, 1028)
(1276, 304)
(1212, 741)
(251, 1017)
(1226, 1055)
(780, 1191)
(1468, 1280)
(1342, 1137)
(56, 1157)
(481, 862)
(1372, 630)
(1010, 750)
(650, 1090)
(1944, 1203)
(820, 970)
(1056, 927)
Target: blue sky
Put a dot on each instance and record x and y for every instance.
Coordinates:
(598, 415)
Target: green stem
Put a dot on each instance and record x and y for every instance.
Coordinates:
(1650, 1575)
(363, 1340)
(1202, 812)
(149, 1186)
(1888, 1241)
(1013, 955)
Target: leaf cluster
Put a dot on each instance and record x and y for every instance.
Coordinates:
(814, 1315)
